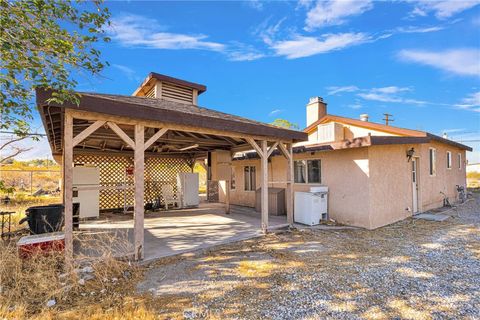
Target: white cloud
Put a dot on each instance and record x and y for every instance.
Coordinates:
(334, 12)
(254, 4)
(416, 29)
(391, 89)
(138, 31)
(355, 106)
(457, 61)
(301, 46)
(336, 90)
(128, 72)
(378, 97)
(274, 112)
(471, 102)
(442, 9)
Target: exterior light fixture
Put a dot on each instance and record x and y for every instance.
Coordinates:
(410, 154)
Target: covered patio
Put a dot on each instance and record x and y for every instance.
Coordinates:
(138, 129)
(174, 232)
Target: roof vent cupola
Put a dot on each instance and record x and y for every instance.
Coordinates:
(164, 87)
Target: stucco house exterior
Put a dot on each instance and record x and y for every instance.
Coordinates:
(376, 174)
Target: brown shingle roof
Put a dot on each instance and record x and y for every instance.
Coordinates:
(172, 112)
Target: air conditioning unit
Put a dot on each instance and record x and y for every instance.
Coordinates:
(311, 207)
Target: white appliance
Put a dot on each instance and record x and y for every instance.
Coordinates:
(86, 190)
(311, 207)
(188, 184)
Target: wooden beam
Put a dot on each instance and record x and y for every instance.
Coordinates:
(91, 115)
(287, 154)
(264, 190)
(68, 186)
(88, 131)
(115, 128)
(271, 149)
(155, 137)
(290, 178)
(138, 209)
(255, 146)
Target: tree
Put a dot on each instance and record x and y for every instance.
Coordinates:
(41, 43)
(285, 124)
(10, 149)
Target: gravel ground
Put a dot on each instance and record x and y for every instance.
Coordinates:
(413, 269)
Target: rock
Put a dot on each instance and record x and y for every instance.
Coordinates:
(126, 274)
(87, 269)
(81, 282)
(114, 279)
(189, 314)
(88, 277)
(103, 291)
(51, 303)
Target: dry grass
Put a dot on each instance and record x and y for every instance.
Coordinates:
(26, 285)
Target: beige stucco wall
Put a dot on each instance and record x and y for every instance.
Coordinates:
(368, 187)
(391, 188)
(445, 179)
(351, 132)
(345, 172)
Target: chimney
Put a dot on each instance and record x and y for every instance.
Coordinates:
(316, 109)
(364, 117)
(445, 135)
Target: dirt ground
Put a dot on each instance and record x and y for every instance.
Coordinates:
(413, 269)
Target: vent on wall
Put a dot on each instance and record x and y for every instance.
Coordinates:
(151, 93)
(177, 93)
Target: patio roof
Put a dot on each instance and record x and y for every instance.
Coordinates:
(163, 111)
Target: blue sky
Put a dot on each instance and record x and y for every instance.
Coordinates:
(417, 60)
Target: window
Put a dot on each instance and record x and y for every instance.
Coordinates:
(433, 161)
(249, 178)
(449, 160)
(307, 171)
(232, 179)
(459, 161)
(299, 168)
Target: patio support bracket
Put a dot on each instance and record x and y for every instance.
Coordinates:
(155, 137)
(115, 128)
(87, 132)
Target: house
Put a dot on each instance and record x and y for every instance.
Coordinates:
(376, 174)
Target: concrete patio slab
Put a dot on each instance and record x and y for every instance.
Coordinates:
(431, 217)
(175, 232)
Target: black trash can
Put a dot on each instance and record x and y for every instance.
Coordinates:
(75, 215)
(45, 219)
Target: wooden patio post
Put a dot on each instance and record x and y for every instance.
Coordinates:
(68, 185)
(139, 166)
(264, 191)
(290, 182)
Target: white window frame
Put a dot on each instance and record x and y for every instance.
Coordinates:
(432, 162)
(460, 164)
(449, 160)
(306, 171)
(251, 189)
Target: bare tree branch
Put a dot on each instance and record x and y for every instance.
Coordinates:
(13, 140)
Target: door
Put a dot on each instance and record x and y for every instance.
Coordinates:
(415, 185)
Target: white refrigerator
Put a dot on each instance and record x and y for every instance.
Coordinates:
(86, 190)
(187, 184)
